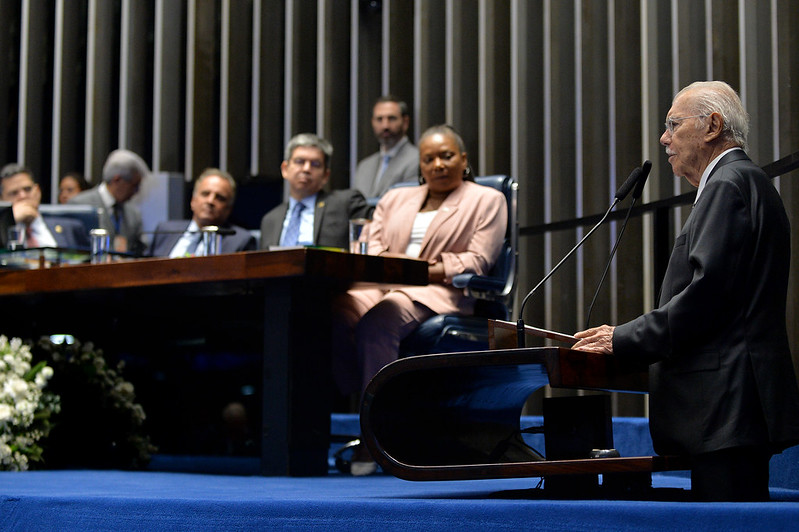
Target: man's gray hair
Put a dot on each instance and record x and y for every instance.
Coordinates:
(708, 97)
(208, 172)
(125, 164)
(311, 140)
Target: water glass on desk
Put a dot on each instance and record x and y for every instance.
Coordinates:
(101, 244)
(212, 240)
(359, 236)
(16, 237)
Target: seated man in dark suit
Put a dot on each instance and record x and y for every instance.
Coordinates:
(18, 187)
(311, 217)
(211, 204)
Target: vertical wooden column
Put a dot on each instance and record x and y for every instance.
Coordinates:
(268, 89)
(235, 108)
(66, 146)
(461, 82)
(101, 84)
(33, 126)
(430, 69)
(168, 87)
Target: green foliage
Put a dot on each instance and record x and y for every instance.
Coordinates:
(100, 424)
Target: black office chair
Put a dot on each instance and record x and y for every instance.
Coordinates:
(448, 333)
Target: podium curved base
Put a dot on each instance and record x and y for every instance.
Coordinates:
(456, 416)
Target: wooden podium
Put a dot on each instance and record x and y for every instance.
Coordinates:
(457, 416)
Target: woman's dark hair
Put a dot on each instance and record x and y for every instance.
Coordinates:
(79, 179)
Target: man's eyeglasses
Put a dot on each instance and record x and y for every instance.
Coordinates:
(300, 162)
(673, 121)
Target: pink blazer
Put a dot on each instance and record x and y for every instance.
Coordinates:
(466, 235)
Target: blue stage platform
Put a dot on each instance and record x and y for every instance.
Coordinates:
(157, 500)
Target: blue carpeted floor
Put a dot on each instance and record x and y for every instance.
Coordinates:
(114, 500)
(153, 500)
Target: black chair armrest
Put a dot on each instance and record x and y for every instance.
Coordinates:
(478, 283)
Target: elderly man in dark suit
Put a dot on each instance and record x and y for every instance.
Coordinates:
(18, 187)
(311, 216)
(722, 385)
(211, 205)
(123, 172)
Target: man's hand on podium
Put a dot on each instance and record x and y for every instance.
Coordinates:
(597, 340)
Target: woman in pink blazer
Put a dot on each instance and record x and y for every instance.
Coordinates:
(453, 223)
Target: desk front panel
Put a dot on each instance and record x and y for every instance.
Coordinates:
(229, 357)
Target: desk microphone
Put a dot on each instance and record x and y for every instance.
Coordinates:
(621, 193)
(219, 231)
(639, 188)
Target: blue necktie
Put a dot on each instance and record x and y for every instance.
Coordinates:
(293, 229)
(381, 172)
(194, 246)
(117, 218)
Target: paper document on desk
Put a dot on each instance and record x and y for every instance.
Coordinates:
(536, 331)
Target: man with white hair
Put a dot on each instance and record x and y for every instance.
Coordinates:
(723, 390)
(123, 172)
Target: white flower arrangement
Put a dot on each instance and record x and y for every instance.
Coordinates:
(25, 406)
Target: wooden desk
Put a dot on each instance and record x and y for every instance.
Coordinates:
(199, 332)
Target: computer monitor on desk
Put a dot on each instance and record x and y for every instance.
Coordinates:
(86, 214)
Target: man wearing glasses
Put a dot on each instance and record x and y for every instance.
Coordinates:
(311, 216)
(723, 390)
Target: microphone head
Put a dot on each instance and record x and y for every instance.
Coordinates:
(639, 186)
(628, 185)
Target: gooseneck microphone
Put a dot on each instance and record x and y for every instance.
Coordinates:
(639, 186)
(621, 193)
(639, 189)
(209, 228)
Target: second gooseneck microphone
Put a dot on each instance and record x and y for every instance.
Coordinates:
(621, 193)
(639, 189)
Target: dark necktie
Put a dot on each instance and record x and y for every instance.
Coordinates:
(30, 238)
(293, 229)
(117, 217)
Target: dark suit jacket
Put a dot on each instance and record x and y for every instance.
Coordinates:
(332, 214)
(6, 222)
(131, 227)
(68, 233)
(404, 166)
(722, 374)
(168, 233)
